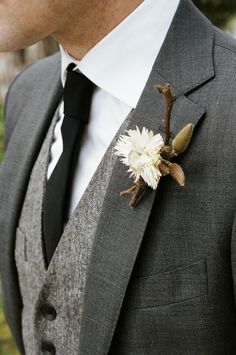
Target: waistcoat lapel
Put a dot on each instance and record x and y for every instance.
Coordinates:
(120, 229)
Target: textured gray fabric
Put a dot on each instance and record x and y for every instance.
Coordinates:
(161, 277)
(25, 129)
(28, 248)
(62, 284)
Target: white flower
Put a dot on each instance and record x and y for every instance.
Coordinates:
(140, 151)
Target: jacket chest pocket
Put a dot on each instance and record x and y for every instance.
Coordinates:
(170, 287)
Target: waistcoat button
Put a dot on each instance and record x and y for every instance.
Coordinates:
(48, 312)
(48, 348)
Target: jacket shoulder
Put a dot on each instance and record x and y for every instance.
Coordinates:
(25, 87)
(33, 75)
(224, 57)
(222, 87)
(225, 41)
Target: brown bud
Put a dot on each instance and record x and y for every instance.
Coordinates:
(162, 88)
(166, 91)
(182, 139)
(164, 169)
(177, 173)
(168, 152)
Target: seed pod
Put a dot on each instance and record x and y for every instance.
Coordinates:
(182, 139)
(164, 169)
(177, 173)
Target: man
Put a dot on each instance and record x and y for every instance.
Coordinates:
(155, 279)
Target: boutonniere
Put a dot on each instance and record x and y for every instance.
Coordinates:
(148, 155)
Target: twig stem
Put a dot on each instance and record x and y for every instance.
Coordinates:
(169, 100)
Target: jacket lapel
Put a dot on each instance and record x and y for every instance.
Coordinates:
(185, 61)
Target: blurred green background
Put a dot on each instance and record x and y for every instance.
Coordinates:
(221, 12)
(1, 134)
(218, 11)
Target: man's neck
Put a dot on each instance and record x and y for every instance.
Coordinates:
(84, 30)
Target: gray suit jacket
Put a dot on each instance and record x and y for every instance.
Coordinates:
(161, 277)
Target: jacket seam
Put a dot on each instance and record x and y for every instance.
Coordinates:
(224, 47)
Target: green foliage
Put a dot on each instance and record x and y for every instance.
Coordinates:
(218, 11)
(1, 134)
(7, 346)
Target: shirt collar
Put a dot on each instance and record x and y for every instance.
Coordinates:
(121, 62)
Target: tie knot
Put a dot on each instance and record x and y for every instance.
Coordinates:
(78, 92)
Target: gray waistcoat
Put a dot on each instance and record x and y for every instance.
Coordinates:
(62, 284)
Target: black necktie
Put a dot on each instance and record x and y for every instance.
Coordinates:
(77, 101)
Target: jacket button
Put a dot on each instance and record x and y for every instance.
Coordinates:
(48, 312)
(48, 348)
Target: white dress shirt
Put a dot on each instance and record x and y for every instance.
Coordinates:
(119, 65)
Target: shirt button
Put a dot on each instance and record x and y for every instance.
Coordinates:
(48, 312)
(48, 348)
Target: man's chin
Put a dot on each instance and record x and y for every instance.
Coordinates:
(9, 43)
(10, 48)
(14, 41)
(14, 46)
